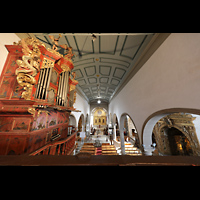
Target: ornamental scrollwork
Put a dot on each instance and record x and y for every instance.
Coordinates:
(29, 66)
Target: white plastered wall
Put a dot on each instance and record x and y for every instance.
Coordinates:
(82, 105)
(6, 39)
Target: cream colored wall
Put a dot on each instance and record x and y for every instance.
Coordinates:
(82, 105)
(169, 79)
(6, 39)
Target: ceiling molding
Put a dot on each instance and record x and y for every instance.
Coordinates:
(153, 45)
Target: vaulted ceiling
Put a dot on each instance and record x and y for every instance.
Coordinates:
(101, 65)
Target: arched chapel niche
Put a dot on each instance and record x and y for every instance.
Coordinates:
(175, 134)
(171, 134)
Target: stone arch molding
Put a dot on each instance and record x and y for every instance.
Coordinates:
(121, 127)
(122, 118)
(83, 122)
(151, 121)
(96, 108)
(114, 119)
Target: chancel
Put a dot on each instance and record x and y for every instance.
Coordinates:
(94, 98)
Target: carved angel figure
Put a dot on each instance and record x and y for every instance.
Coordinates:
(74, 75)
(55, 41)
(69, 54)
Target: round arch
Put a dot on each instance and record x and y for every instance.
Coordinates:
(147, 128)
(110, 120)
(110, 124)
(122, 119)
(115, 125)
(87, 118)
(81, 123)
(87, 123)
(115, 120)
(72, 120)
(126, 114)
(96, 108)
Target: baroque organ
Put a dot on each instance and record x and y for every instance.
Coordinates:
(38, 90)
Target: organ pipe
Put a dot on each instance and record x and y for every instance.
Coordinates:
(43, 83)
(63, 89)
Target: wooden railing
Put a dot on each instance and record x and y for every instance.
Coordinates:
(61, 147)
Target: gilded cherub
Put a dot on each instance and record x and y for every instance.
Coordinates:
(74, 75)
(69, 51)
(55, 41)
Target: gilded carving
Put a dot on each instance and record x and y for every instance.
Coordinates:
(28, 66)
(69, 53)
(31, 41)
(74, 97)
(54, 52)
(55, 45)
(65, 68)
(27, 82)
(55, 41)
(75, 82)
(32, 111)
(40, 111)
(181, 121)
(47, 63)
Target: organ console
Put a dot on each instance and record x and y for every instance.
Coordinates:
(38, 91)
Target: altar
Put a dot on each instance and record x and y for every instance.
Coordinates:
(99, 131)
